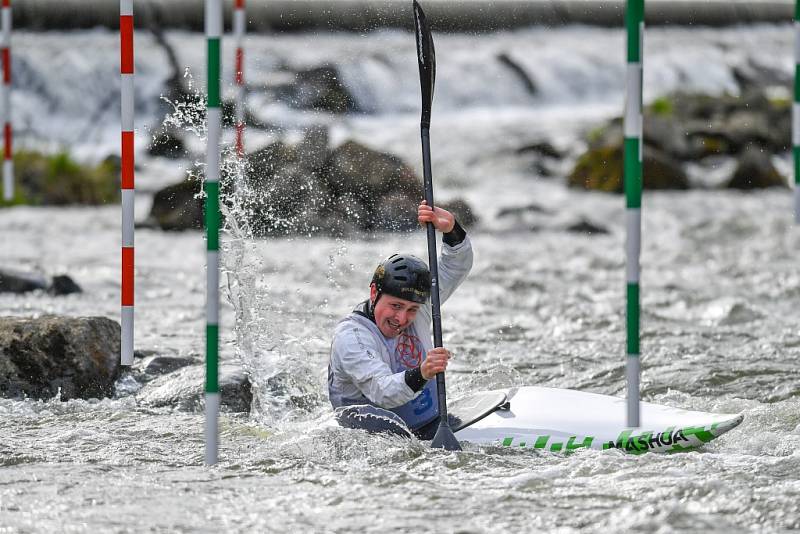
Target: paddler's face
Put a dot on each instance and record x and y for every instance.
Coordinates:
(393, 314)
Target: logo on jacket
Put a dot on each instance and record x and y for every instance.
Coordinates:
(409, 351)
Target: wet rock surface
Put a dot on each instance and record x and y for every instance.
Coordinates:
(755, 171)
(184, 389)
(694, 128)
(19, 282)
(320, 89)
(68, 357)
(177, 207)
(309, 188)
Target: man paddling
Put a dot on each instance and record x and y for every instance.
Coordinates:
(382, 358)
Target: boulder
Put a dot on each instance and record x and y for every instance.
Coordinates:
(72, 357)
(601, 169)
(15, 282)
(63, 285)
(320, 89)
(521, 211)
(462, 211)
(586, 227)
(167, 144)
(161, 365)
(184, 389)
(310, 188)
(755, 171)
(178, 207)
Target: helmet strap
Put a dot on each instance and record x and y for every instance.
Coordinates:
(371, 305)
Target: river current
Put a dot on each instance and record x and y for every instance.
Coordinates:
(542, 306)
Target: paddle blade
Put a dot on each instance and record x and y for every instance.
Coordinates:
(445, 439)
(426, 57)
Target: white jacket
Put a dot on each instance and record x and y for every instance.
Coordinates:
(364, 366)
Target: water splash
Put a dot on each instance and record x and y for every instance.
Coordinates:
(284, 384)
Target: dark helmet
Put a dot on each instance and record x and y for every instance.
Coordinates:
(403, 276)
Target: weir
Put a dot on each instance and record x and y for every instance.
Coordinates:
(359, 15)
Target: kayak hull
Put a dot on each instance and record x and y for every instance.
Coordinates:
(563, 420)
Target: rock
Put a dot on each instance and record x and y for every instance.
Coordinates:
(314, 147)
(462, 211)
(167, 144)
(161, 365)
(519, 211)
(311, 189)
(320, 89)
(178, 207)
(387, 189)
(666, 135)
(755, 171)
(542, 148)
(600, 169)
(585, 227)
(366, 173)
(76, 356)
(144, 353)
(394, 212)
(11, 282)
(184, 389)
(63, 285)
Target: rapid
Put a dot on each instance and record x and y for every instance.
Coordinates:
(542, 306)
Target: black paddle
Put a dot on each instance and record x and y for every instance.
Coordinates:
(444, 438)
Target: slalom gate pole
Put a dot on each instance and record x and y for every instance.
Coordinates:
(796, 113)
(5, 52)
(239, 25)
(127, 179)
(213, 17)
(632, 175)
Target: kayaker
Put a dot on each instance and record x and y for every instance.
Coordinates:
(382, 358)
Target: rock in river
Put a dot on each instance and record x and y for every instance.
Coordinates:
(183, 389)
(73, 357)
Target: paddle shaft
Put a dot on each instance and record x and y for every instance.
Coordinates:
(436, 312)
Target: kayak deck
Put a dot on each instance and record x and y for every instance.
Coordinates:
(564, 420)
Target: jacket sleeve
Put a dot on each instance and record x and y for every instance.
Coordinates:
(358, 356)
(455, 264)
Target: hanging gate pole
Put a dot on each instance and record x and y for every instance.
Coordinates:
(239, 25)
(214, 115)
(127, 179)
(796, 113)
(634, 22)
(5, 51)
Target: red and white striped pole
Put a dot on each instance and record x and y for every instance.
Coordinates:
(5, 51)
(126, 71)
(239, 24)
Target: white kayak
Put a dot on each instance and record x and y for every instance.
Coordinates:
(562, 420)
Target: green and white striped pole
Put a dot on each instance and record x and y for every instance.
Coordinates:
(632, 174)
(796, 113)
(214, 117)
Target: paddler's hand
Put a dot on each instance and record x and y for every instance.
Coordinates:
(442, 220)
(435, 362)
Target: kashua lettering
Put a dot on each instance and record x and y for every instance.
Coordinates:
(646, 441)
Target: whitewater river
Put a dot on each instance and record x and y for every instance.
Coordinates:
(542, 306)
